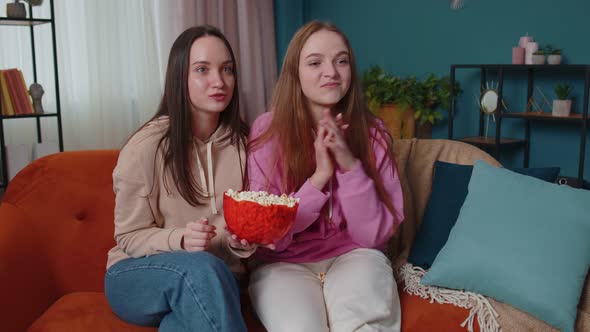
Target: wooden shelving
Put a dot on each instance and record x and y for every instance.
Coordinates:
(487, 141)
(544, 116)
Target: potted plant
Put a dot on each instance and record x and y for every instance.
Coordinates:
(18, 10)
(562, 105)
(433, 93)
(553, 55)
(383, 94)
(539, 57)
(412, 101)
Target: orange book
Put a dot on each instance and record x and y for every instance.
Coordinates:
(19, 94)
(3, 107)
(7, 108)
(12, 91)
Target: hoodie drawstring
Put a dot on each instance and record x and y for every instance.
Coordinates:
(210, 193)
(330, 202)
(211, 183)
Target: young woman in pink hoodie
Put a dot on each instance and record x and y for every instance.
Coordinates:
(170, 266)
(321, 144)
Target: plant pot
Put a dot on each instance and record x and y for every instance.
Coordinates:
(16, 10)
(538, 59)
(561, 107)
(400, 123)
(554, 59)
(424, 130)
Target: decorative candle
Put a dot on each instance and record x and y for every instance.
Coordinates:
(524, 40)
(531, 48)
(518, 55)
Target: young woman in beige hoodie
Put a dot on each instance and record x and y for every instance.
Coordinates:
(173, 266)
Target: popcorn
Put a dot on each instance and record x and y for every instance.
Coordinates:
(257, 216)
(262, 198)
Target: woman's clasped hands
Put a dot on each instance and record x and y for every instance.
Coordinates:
(331, 149)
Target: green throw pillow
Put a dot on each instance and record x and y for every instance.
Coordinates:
(520, 240)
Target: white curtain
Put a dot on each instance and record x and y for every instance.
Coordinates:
(112, 58)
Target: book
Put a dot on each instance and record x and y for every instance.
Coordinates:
(7, 107)
(25, 92)
(18, 91)
(12, 85)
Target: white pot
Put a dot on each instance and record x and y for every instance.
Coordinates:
(538, 59)
(554, 59)
(561, 107)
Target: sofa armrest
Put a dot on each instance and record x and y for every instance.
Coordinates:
(26, 281)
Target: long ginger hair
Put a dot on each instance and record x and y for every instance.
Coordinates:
(292, 124)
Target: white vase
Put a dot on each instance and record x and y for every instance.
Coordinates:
(538, 59)
(554, 59)
(561, 107)
(530, 48)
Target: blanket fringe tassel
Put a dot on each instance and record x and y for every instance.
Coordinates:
(477, 304)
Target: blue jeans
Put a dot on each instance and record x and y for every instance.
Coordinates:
(178, 291)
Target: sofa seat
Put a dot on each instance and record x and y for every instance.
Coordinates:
(89, 311)
(82, 311)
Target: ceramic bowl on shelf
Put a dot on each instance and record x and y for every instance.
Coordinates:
(538, 59)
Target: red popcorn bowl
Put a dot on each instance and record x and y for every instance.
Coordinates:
(258, 221)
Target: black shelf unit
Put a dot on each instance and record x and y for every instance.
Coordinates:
(31, 23)
(497, 141)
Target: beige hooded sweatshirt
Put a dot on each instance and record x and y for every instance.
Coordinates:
(150, 218)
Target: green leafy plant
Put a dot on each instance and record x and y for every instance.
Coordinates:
(380, 88)
(425, 96)
(539, 52)
(552, 51)
(563, 90)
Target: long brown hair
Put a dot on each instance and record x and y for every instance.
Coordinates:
(292, 122)
(176, 143)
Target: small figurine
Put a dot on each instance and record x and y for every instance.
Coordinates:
(36, 92)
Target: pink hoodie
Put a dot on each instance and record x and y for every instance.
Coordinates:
(359, 218)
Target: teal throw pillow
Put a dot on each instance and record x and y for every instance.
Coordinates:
(520, 240)
(449, 189)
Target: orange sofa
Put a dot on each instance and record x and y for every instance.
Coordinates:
(56, 226)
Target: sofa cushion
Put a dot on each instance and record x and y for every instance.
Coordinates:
(82, 311)
(449, 189)
(519, 240)
(415, 161)
(90, 311)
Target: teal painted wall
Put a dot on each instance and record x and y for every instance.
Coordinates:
(425, 36)
(289, 17)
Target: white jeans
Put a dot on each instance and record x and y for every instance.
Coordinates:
(358, 293)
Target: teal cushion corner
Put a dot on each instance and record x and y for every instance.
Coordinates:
(521, 241)
(449, 189)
